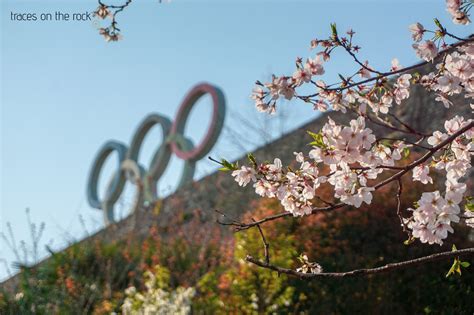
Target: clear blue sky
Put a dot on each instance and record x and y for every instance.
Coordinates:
(65, 91)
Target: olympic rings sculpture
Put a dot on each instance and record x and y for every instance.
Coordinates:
(173, 141)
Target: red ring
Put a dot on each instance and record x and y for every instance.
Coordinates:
(215, 127)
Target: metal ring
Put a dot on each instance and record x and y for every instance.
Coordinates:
(115, 186)
(187, 174)
(173, 140)
(218, 114)
(162, 155)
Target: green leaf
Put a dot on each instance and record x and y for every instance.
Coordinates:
(301, 258)
(318, 139)
(409, 241)
(385, 143)
(252, 159)
(334, 30)
(453, 249)
(470, 206)
(312, 134)
(457, 264)
(415, 77)
(455, 268)
(441, 28)
(227, 166)
(406, 152)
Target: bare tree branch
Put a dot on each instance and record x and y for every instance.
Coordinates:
(266, 246)
(364, 272)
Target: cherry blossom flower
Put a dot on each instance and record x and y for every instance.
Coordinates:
(102, 12)
(401, 91)
(426, 50)
(448, 83)
(363, 194)
(421, 174)
(301, 76)
(364, 72)
(314, 66)
(437, 138)
(280, 87)
(395, 65)
(244, 175)
(461, 68)
(417, 30)
(266, 108)
(308, 267)
(454, 8)
(321, 105)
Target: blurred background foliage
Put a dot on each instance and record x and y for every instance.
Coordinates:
(91, 277)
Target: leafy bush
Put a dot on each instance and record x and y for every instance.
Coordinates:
(93, 276)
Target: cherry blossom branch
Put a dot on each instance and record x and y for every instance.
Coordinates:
(353, 153)
(452, 35)
(427, 155)
(398, 71)
(239, 226)
(111, 33)
(364, 272)
(349, 51)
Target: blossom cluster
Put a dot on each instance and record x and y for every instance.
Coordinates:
(352, 156)
(455, 75)
(104, 11)
(459, 10)
(378, 97)
(307, 266)
(431, 220)
(110, 33)
(157, 300)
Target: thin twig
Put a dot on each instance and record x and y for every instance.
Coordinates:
(406, 141)
(349, 51)
(266, 246)
(364, 272)
(382, 123)
(399, 208)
